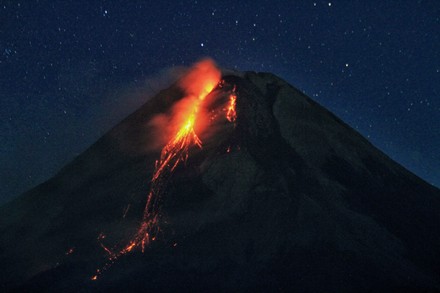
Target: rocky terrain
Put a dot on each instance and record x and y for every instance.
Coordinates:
(289, 198)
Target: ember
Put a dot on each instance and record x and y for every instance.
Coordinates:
(197, 84)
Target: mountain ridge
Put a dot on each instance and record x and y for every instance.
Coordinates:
(299, 191)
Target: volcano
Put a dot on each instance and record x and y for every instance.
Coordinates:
(255, 187)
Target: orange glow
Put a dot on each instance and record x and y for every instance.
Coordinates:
(231, 114)
(197, 84)
(201, 79)
(106, 249)
(187, 120)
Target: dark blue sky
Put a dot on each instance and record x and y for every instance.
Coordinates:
(69, 72)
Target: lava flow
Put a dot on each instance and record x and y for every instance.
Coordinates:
(231, 114)
(197, 83)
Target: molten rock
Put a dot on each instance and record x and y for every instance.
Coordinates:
(269, 191)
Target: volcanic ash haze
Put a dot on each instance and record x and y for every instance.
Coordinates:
(196, 84)
(226, 182)
(186, 117)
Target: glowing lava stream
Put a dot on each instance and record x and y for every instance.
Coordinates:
(198, 83)
(231, 114)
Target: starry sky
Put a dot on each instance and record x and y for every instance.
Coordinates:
(69, 71)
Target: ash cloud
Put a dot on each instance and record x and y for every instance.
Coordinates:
(196, 82)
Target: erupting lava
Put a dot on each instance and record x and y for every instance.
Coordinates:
(197, 83)
(231, 114)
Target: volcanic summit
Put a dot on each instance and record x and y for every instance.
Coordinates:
(232, 181)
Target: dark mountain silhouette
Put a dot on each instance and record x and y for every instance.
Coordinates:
(289, 199)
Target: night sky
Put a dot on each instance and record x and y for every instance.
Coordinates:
(69, 72)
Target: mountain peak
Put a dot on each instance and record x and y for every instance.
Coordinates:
(284, 195)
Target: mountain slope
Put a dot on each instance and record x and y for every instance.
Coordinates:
(288, 198)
